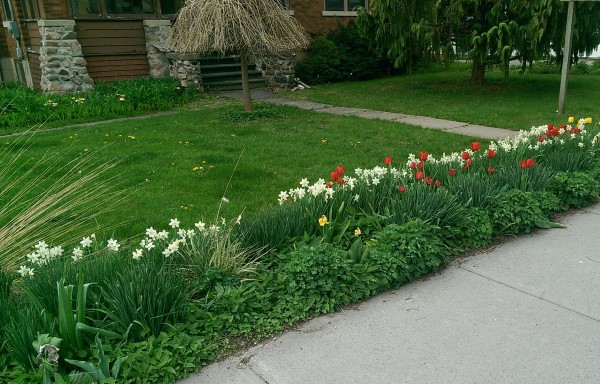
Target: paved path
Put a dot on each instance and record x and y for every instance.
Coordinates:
(526, 311)
(422, 121)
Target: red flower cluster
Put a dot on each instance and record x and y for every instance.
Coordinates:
(452, 172)
(527, 163)
(465, 155)
(337, 176)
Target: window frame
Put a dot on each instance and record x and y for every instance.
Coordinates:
(345, 12)
(103, 14)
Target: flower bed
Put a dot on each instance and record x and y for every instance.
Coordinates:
(157, 310)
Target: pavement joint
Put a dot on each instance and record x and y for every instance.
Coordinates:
(530, 294)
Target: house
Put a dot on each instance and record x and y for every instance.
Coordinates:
(67, 45)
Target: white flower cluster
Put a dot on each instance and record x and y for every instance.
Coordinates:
(374, 176)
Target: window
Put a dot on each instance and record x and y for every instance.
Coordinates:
(30, 9)
(121, 8)
(343, 5)
(8, 14)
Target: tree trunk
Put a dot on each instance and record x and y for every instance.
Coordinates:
(478, 71)
(245, 83)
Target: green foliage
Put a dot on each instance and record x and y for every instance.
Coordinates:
(23, 107)
(321, 64)
(575, 189)
(24, 324)
(101, 372)
(401, 253)
(145, 297)
(237, 114)
(474, 188)
(515, 211)
(473, 233)
(313, 279)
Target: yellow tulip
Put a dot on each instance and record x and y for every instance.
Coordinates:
(571, 119)
(588, 120)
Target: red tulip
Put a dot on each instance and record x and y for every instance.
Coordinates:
(575, 130)
(468, 163)
(428, 180)
(550, 126)
(491, 153)
(413, 165)
(438, 183)
(491, 170)
(340, 180)
(452, 172)
(334, 175)
(419, 175)
(465, 155)
(423, 156)
(530, 163)
(475, 146)
(420, 165)
(387, 160)
(340, 170)
(402, 188)
(329, 184)
(541, 139)
(523, 164)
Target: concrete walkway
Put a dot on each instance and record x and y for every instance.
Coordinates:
(526, 311)
(457, 127)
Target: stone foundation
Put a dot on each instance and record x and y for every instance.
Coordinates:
(64, 69)
(186, 68)
(278, 71)
(157, 35)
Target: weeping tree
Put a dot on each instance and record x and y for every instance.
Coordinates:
(491, 31)
(245, 27)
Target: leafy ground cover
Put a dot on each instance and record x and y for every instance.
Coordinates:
(180, 165)
(451, 95)
(154, 310)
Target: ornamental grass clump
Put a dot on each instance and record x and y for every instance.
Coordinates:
(34, 208)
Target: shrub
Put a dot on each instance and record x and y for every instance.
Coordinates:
(576, 189)
(321, 64)
(473, 233)
(401, 253)
(314, 279)
(515, 211)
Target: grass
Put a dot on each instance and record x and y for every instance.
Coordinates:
(160, 158)
(519, 102)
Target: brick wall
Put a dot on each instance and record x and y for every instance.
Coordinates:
(309, 14)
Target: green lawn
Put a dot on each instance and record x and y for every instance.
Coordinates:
(518, 102)
(159, 155)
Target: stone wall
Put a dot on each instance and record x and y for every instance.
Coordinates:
(64, 69)
(186, 68)
(278, 71)
(157, 35)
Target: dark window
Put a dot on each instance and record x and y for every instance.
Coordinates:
(131, 7)
(85, 7)
(170, 7)
(343, 5)
(7, 10)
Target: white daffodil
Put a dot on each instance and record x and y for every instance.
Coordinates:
(86, 242)
(113, 245)
(174, 223)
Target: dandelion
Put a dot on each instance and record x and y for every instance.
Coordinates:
(113, 245)
(323, 221)
(174, 223)
(357, 232)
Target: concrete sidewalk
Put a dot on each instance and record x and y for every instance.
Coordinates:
(460, 128)
(525, 311)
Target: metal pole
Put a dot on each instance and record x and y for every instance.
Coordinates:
(566, 59)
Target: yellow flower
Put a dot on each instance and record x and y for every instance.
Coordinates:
(571, 119)
(323, 221)
(588, 120)
(357, 232)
